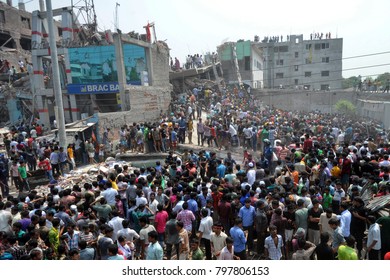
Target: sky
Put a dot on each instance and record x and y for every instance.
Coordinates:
(191, 27)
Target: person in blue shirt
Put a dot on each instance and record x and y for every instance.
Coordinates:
(203, 197)
(248, 213)
(174, 139)
(239, 239)
(192, 204)
(221, 169)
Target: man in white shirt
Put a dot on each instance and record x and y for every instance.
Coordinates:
(345, 219)
(109, 194)
(128, 233)
(374, 239)
(116, 224)
(33, 132)
(205, 229)
(218, 240)
(251, 174)
(227, 252)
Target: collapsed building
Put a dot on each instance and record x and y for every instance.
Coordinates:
(118, 78)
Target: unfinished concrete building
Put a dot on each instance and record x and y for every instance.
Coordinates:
(119, 78)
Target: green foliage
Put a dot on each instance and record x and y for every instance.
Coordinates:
(382, 79)
(351, 82)
(345, 107)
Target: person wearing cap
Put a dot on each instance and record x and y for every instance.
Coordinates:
(301, 215)
(363, 150)
(346, 170)
(251, 173)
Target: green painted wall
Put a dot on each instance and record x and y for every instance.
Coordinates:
(242, 48)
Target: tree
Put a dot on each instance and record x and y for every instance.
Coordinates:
(382, 78)
(345, 107)
(351, 82)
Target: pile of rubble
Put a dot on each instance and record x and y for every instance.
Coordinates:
(85, 174)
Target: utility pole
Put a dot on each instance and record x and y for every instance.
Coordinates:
(56, 76)
(41, 6)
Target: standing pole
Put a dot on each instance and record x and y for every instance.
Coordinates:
(41, 6)
(56, 76)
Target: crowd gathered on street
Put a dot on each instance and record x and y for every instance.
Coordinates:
(240, 181)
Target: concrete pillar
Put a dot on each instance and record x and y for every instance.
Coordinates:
(67, 27)
(124, 95)
(21, 5)
(38, 82)
(73, 110)
(149, 60)
(43, 110)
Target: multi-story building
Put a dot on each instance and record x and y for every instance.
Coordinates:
(242, 61)
(304, 64)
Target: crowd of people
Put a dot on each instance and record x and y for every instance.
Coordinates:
(293, 185)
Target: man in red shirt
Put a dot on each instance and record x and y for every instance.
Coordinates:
(44, 163)
(160, 221)
(346, 169)
(38, 128)
(307, 144)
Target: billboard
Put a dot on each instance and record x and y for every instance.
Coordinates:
(94, 70)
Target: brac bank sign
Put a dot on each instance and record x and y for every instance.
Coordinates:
(93, 88)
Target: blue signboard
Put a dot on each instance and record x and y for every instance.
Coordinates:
(93, 69)
(95, 88)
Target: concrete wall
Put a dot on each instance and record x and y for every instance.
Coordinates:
(378, 110)
(303, 100)
(146, 106)
(160, 62)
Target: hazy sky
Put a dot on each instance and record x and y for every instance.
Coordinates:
(190, 26)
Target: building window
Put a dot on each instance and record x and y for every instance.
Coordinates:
(317, 46)
(307, 74)
(308, 60)
(324, 87)
(25, 22)
(308, 46)
(296, 54)
(247, 63)
(2, 16)
(296, 40)
(324, 73)
(325, 59)
(279, 75)
(296, 82)
(325, 46)
(295, 67)
(281, 49)
(279, 62)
